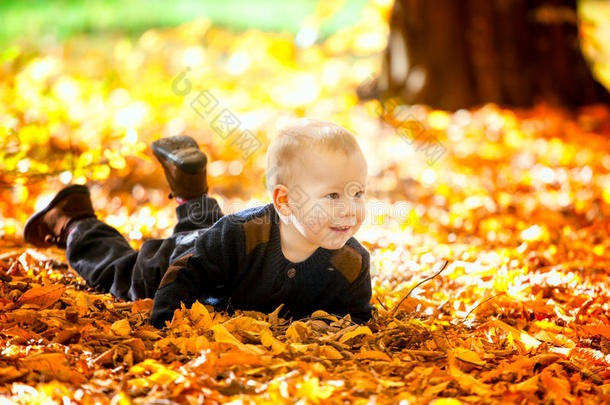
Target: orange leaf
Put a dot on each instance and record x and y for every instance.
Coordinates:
(234, 358)
(53, 364)
(527, 340)
(330, 352)
(42, 297)
(594, 356)
(142, 305)
(468, 356)
(466, 381)
(530, 385)
(556, 387)
(603, 330)
(372, 355)
(10, 373)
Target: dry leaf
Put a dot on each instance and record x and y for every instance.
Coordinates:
(372, 355)
(222, 335)
(121, 327)
(361, 330)
(42, 297)
(468, 356)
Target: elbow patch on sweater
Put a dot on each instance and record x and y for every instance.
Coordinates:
(172, 271)
(348, 261)
(257, 231)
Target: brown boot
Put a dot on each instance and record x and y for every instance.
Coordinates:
(184, 165)
(49, 226)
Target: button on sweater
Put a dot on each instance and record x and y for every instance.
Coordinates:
(238, 261)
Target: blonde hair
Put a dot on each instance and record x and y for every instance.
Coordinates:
(285, 153)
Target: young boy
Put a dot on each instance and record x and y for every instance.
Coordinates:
(298, 250)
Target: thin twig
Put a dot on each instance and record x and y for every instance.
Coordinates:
(417, 285)
(381, 303)
(478, 305)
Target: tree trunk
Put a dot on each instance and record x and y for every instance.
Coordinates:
(452, 54)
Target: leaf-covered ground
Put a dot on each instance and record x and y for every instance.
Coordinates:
(516, 204)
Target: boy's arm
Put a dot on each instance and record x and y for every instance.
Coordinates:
(205, 270)
(355, 300)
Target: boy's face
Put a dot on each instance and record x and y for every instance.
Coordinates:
(326, 203)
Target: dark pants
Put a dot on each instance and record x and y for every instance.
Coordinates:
(104, 258)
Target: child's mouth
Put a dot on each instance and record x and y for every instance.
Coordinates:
(340, 228)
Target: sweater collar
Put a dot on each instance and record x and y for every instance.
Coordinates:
(318, 259)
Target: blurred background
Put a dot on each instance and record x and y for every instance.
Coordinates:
(87, 85)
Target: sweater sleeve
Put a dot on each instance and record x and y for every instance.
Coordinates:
(207, 270)
(355, 299)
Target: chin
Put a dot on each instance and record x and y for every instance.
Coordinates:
(334, 246)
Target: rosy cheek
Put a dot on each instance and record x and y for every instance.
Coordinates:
(361, 216)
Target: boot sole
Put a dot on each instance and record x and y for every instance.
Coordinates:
(30, 225)
(181, 151)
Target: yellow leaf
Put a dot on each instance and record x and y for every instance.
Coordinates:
(300, 348)
(164, 376)
(148, 365)
(468, 356)
(120, 399)
(118, 163)
(528, 341)
(185, 345)
(361, 330)
(246, 323)
(446, 401)
(199, 315)
(100, 172)
(310, 388)
(121, 327)
(297, 331)
(323, 314)
(272, 343)
(222, 335)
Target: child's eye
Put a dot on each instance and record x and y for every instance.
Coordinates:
(359, 194)
(333, 195)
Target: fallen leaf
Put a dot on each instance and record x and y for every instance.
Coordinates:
(468, 356)
(121, 327)
(222, 335)
(361, 330)
(372, 355)
(42, 297)
(144, 305)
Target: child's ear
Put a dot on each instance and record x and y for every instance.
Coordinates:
(280, 199)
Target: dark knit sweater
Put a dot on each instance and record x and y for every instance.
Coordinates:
(238, 261)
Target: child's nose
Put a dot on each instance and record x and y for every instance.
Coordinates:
(346, 208)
